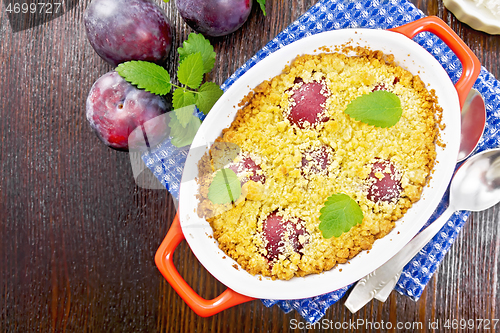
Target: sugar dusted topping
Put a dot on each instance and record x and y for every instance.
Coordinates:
(384, 182)
(272, 229)
(315, 161)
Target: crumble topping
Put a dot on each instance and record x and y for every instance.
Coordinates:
(292, 146)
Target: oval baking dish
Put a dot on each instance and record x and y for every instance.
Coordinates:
(243, 286)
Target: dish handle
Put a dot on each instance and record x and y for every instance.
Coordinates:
(164, 262)
(471, 67)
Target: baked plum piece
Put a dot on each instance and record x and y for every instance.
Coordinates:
(278, 233)
(384, 182)
(307, 103)
(247, 169)
(122, 30)
(316, 161)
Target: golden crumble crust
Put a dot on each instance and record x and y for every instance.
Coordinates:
(262, 131)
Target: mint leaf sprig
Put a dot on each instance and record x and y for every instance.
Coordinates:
(197, 57)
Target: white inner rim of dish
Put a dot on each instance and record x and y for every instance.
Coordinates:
(197, 231)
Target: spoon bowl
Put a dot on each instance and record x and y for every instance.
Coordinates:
(476, 185)
(473, 119)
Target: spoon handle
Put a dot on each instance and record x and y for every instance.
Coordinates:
(370, 285)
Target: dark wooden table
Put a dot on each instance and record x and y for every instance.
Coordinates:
(78, 236)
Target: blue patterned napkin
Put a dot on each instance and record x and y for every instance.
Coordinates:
(166, 162)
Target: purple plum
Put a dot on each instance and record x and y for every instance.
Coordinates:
(115, 108)
(214, 18)
(122, 30)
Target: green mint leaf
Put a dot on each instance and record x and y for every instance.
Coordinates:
(190, 71)
(184, 115)
(198, 43)
(183, 135)
(207, 95)
(262, 4)
(225, 187)
(146, 75)
(379, 108)
(182, 98)
(339, 214)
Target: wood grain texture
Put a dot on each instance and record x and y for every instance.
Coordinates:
(78, 237)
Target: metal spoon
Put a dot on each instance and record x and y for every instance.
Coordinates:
(473, 122)
(475, 187)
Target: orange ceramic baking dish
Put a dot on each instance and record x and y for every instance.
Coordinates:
(242, 286)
